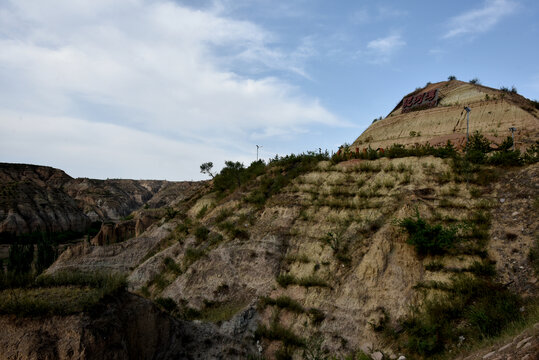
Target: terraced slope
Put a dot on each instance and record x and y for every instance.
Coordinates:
(324, 257)
(493, 112)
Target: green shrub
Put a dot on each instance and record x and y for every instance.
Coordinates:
(171, 265)
(428, 239)
(484, 268)
(506, 158)
(192, 255)
(286, 279)
(202, 212)
(167, 304)
(283, 302)
(201, 233)
(279, 333)
(472, 307)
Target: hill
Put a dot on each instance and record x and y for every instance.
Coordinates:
(420, 119)
(426, 253)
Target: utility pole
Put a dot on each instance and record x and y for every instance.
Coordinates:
(257, 147)
(468, 110)
(513, 129)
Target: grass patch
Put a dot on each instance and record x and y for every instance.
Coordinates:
(283, 302)
(285, 280)
(277, 332)
(191, 256)
(60, 294)
(171, 266)
(216, 312)
(475, 308)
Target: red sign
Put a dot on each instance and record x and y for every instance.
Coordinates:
(424, 100)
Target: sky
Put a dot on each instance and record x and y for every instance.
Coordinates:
(152, 89)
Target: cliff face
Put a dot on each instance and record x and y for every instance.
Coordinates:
(43, 199)
(493, 112)
(126, 327)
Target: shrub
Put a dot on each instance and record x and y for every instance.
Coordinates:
(192, 255)
(167, 304)
(286, 279)
(283, 302)
(428, 239)
(201, 233)
(506, 158)
(451, 77)
(476, 308)
(171, 265)
(202, 212)
(279, 333)
(484, 269)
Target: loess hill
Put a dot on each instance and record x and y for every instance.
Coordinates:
(493, 112)
(312, 257)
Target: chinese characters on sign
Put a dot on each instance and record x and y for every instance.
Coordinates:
(424, 100)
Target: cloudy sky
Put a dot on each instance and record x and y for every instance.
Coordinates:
(151, 89)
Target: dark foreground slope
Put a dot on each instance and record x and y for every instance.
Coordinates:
(124, 326)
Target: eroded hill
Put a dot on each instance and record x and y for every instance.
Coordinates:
(321, 261)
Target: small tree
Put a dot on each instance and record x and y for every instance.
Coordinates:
(206, 167)
(475, 81)
(451, 77)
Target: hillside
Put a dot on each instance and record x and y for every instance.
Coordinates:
(415, 252)
(493, 112)
(323, 257)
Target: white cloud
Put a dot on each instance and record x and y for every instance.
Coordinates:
(481, 20)
(380, 50)
(88, 149)
(380, 13)
(146, 68)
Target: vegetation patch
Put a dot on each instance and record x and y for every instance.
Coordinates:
(287, 279)
(428, 239)
(283, 302)
(475, 308)
(64, 293)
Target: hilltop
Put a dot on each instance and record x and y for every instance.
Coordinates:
(443, 117)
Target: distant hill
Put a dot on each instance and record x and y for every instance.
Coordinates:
(435, 114)
(44, 199)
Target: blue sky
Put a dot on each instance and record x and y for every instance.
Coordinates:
(151, 89)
